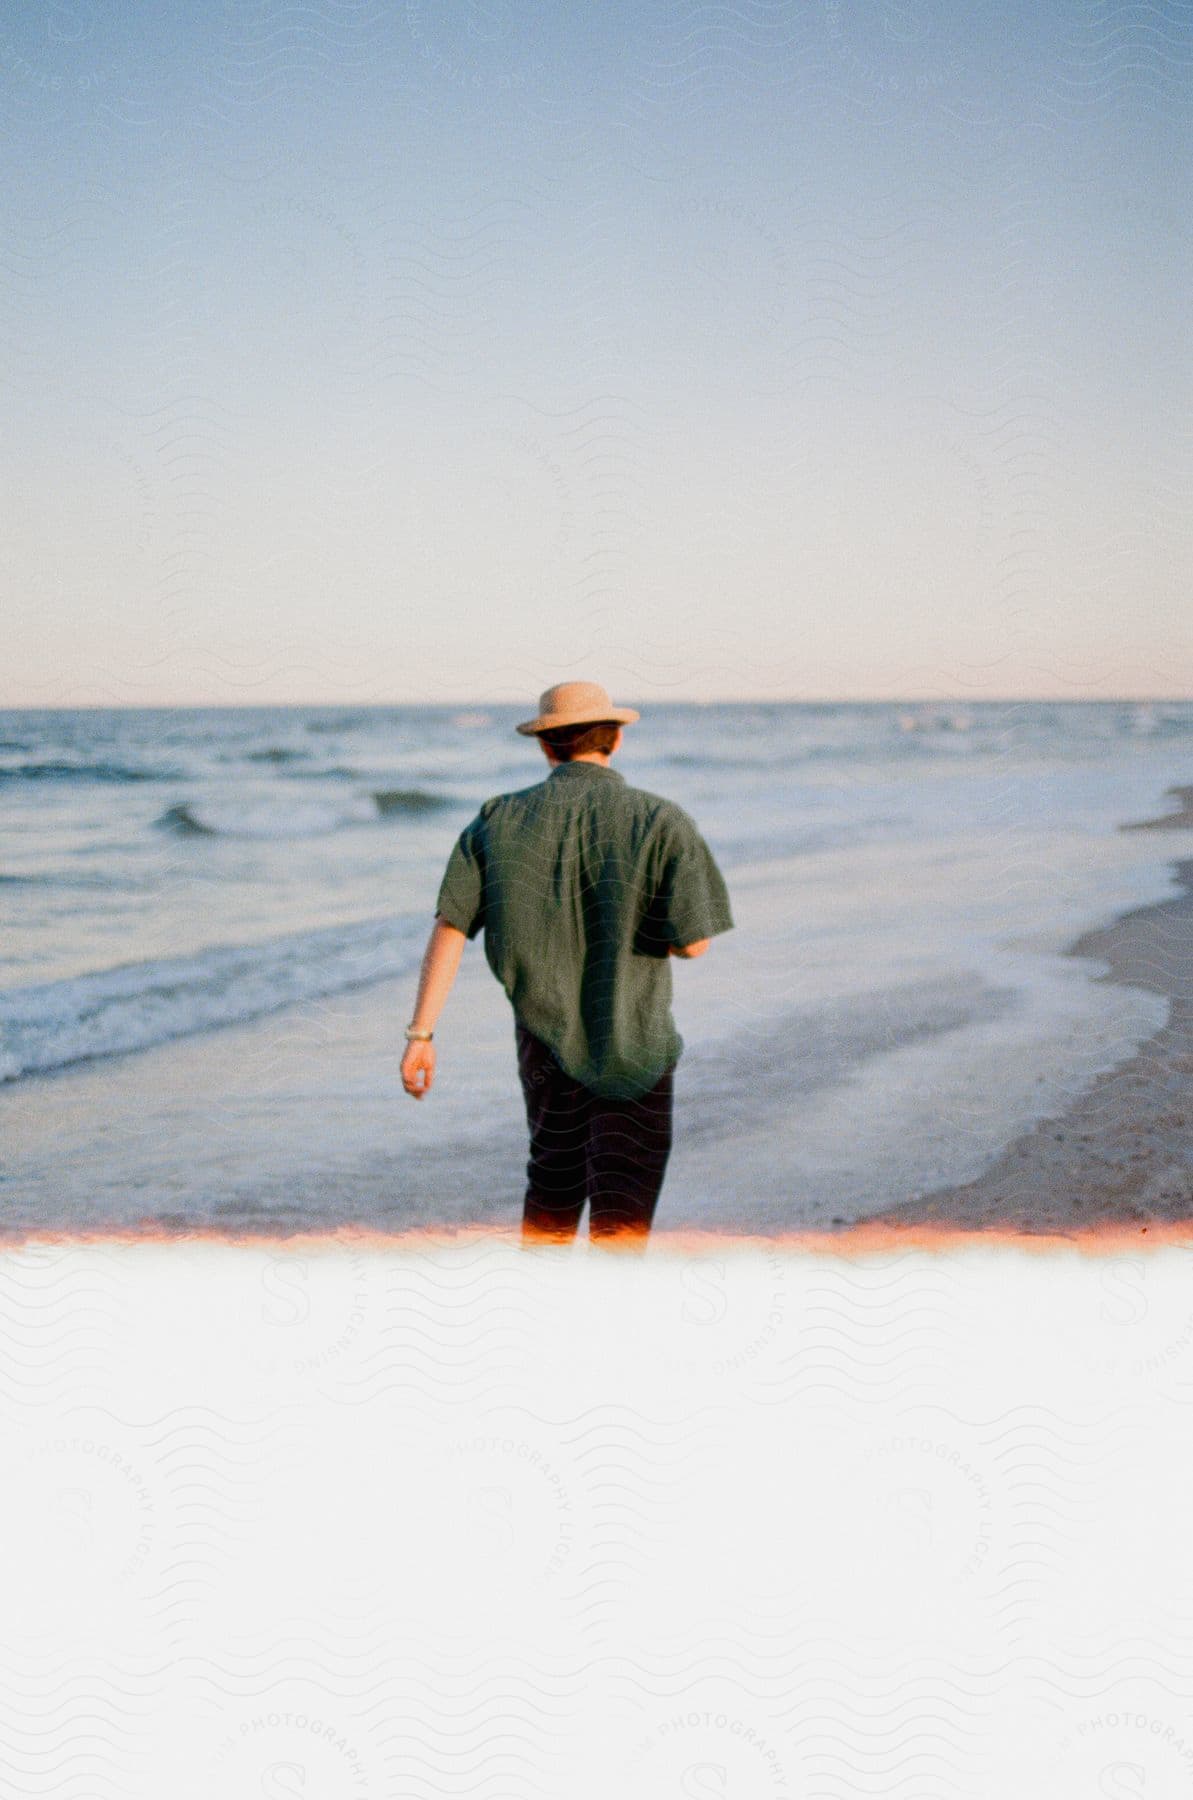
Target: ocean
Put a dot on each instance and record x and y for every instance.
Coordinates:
(211, 922)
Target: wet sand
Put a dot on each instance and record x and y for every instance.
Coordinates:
(1123, 1152)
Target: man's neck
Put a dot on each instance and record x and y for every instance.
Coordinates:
(584, 765)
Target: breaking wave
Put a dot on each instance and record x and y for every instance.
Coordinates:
(136, 1005)
(274, 818)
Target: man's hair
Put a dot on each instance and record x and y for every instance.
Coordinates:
(581, 740)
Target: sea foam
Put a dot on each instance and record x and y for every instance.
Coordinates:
(56, 1023)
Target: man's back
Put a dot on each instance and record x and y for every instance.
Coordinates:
(583, 886)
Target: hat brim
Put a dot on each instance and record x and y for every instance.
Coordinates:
(612, 715)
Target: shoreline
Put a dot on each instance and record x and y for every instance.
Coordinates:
(1122, 1153)
(288, 1127)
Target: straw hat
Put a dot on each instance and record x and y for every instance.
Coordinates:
(576, 703)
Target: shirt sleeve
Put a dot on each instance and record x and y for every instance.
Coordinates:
(461, 900)
(692, 901)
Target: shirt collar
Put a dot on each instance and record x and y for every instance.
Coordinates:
(573, 769)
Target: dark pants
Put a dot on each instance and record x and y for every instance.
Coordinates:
(611, 1153)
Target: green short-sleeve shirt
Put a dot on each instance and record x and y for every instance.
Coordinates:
(581, 884)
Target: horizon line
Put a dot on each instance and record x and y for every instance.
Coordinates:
(474, 701)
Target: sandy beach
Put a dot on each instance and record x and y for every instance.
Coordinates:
(1123, 1152)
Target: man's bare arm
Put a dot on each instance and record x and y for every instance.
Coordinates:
(441, 960)
(687, 951)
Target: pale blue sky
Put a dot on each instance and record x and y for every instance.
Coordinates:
(375, 352)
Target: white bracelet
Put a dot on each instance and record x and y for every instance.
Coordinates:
(418, 1037)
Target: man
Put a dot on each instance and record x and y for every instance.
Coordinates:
(586, 888)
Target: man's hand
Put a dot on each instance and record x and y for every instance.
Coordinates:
(687, 951)
(418, 1068)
